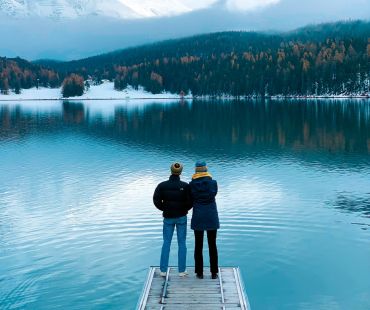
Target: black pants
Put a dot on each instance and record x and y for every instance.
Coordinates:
(198, 252)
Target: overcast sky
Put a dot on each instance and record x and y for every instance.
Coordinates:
(42, 38)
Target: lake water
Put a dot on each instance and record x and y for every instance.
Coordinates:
(78, 229)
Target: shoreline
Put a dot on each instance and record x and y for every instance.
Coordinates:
(187, 98)
(106, 92)
(95, 99)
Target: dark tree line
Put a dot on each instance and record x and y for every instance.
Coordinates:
(333, 66)
(17, 74)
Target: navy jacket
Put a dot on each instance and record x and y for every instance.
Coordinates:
(173, 197)
(203, 192)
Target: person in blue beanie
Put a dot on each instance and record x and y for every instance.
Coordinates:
(203, 191)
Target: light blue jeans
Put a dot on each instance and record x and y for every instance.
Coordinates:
(168, 229)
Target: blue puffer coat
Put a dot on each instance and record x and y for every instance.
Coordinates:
(203, 192)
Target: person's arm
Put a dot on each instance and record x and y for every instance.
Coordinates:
(214, 188)
(157, 198)
(189, 200)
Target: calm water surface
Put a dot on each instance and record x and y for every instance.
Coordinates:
(78, 229)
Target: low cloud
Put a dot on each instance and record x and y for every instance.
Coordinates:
(249, 5)
(150, 8)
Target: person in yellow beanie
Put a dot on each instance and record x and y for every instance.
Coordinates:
(172, 197)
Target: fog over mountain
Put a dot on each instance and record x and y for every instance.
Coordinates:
(81, 28)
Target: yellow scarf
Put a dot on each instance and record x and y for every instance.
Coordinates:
(198, 175)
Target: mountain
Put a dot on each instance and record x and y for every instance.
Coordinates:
(62, 9)
(35, 35)
(315, 60)
(222, 42)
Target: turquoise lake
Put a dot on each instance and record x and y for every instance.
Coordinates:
(78, 229)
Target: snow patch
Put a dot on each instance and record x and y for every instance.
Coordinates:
(103, 91)
(125, 9)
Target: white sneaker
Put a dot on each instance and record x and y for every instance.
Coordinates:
(183, 274)
(163, 274)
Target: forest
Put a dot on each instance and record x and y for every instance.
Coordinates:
(17, 74)
(314, 60)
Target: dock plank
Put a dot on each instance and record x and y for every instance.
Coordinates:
(179, 293)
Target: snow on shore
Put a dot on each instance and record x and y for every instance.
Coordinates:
(106, 91)
(103, 91)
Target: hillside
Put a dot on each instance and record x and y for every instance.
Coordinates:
(314, 60)
(17, 74)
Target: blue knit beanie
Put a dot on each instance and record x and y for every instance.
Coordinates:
(201, 166)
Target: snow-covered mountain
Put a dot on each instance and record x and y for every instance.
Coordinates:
(73, 29)
(126, 9)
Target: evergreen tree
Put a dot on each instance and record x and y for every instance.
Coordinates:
(73, 85)
(4, 86)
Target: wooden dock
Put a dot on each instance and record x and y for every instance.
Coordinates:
(178, 293)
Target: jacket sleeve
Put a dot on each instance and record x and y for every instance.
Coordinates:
(214, 188)
(189, 200)
(157, 198)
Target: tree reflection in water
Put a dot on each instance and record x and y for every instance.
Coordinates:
(237, 127)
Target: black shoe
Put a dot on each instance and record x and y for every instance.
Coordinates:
(199, 276)
(214, 275)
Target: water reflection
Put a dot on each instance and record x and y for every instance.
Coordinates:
(74, 113)
(348, 202)
(332, 126)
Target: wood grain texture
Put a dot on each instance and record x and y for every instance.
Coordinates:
(174, 292)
